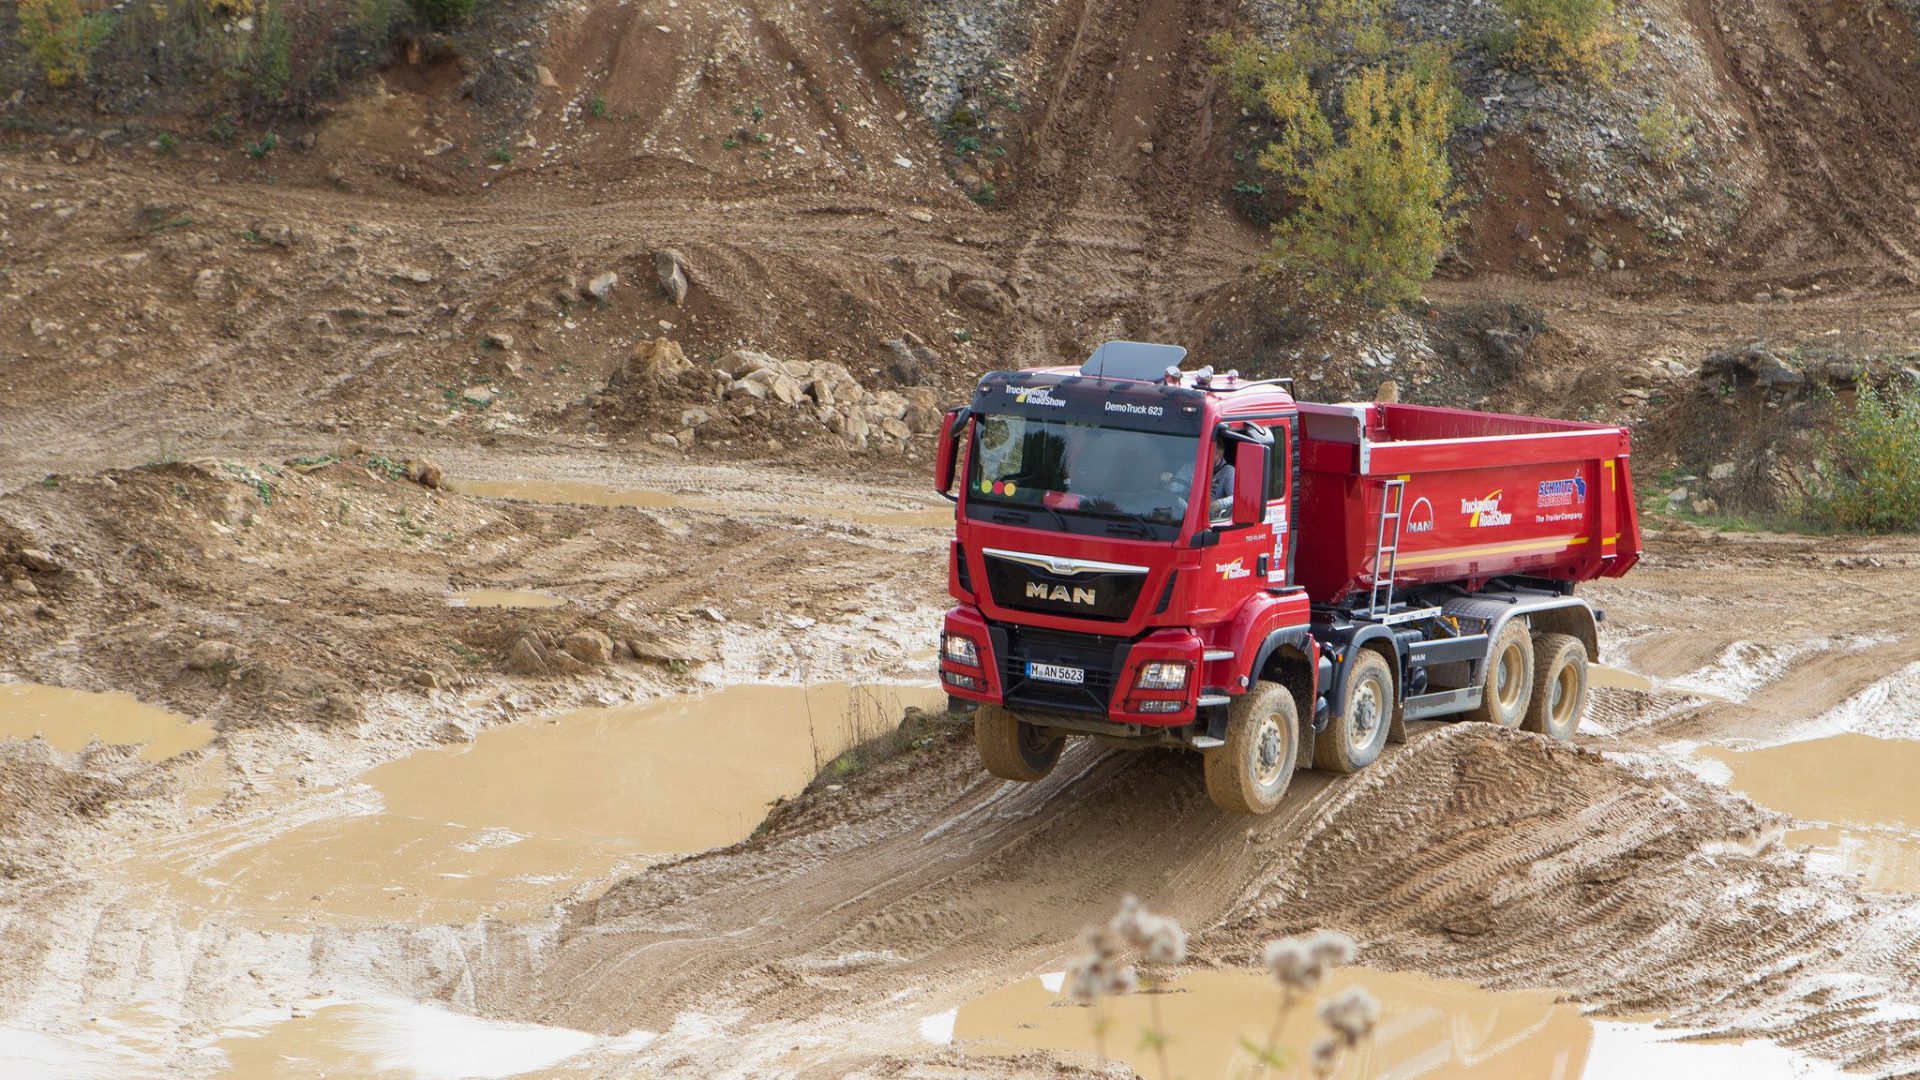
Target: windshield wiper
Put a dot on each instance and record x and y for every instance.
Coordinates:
(1127, 518)
(1023, 515)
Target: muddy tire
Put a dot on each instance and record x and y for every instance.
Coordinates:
(1250, 774)
(1508, 685)
(1011, 748)
(1559, 686)
(1358, 729)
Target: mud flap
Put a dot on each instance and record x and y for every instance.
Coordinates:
(1217, 722)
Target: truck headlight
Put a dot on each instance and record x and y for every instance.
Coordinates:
(961, 650)
(1163, 675)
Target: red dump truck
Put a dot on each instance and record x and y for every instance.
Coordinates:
(1159, 557)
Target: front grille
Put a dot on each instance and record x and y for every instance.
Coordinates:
(1109, 597)
(1102, 658)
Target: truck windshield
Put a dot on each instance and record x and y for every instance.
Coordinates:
(1030, 463)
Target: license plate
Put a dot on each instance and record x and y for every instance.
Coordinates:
(1057, 673)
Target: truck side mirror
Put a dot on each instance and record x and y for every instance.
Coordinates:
(1249, 483)
(944, 459)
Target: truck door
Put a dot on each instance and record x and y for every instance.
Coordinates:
(1240, 557)
(1280, 502)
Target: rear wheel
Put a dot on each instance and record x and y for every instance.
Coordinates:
(1250, 774)
(1559, 686)
(1358, 731)
(1509, 679)
(1011, 748)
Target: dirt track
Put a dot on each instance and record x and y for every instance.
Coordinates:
(820, 943)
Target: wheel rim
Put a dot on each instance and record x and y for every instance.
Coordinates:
(1506, 678)
(1364, 715)
(1033, 745)
(1268, 751)
(1566, 695)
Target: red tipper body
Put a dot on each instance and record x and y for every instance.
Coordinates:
(1064, 601)
(1486, 495)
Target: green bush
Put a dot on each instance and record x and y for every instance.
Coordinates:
(1666, 135)
(1583, 39)
(1372, 220)
(1362, 158)
(61, 37)
(1873, 465)
(443, 13)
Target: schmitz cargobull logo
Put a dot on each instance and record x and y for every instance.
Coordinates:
(1040, 590)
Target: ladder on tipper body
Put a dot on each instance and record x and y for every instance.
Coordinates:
(1386, 547)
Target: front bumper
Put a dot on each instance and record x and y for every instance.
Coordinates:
(1111, 668)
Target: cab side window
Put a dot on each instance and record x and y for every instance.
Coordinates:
(1220, 485)
(1279, 463)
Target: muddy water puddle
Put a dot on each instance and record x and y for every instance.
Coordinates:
(1614, 678)
(504, 598)
(527, 812)
(589, 494)
(71, 719)
(408, 1041)
(322, 1039)
(1435, 1029)
(1859, 790)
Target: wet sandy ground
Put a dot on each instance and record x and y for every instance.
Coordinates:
(529, 812)
(293, 910)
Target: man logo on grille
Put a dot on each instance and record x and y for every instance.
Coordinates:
(1040, 590)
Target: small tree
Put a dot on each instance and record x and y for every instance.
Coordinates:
(61, 37)
(1666, 135)
(1579, 38)
(1373, 199)
(1872, 460)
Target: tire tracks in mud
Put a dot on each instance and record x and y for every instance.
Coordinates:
(1471, 851)
(1603, 869)
(923, 877)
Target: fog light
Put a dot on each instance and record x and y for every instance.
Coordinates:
(964, 682)
(1163, 675)
(960, 650)
(1161, 706)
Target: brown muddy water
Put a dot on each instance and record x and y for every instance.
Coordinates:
(1857, 791)
(406, 1041)
(588, 494)
(1617, 678)
(71, 719)
(504, 598)
(527, 813)
(1435, 1029)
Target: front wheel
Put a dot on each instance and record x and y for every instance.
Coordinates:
(1559, 686)
(1358, 731)
(1250, 774)
(1011, 748)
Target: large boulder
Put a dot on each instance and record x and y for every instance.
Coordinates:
(590, 647)
(600, 286)
(985, 296)
(651, 361)
(740, 362)
(670, 267)
(424, 472)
